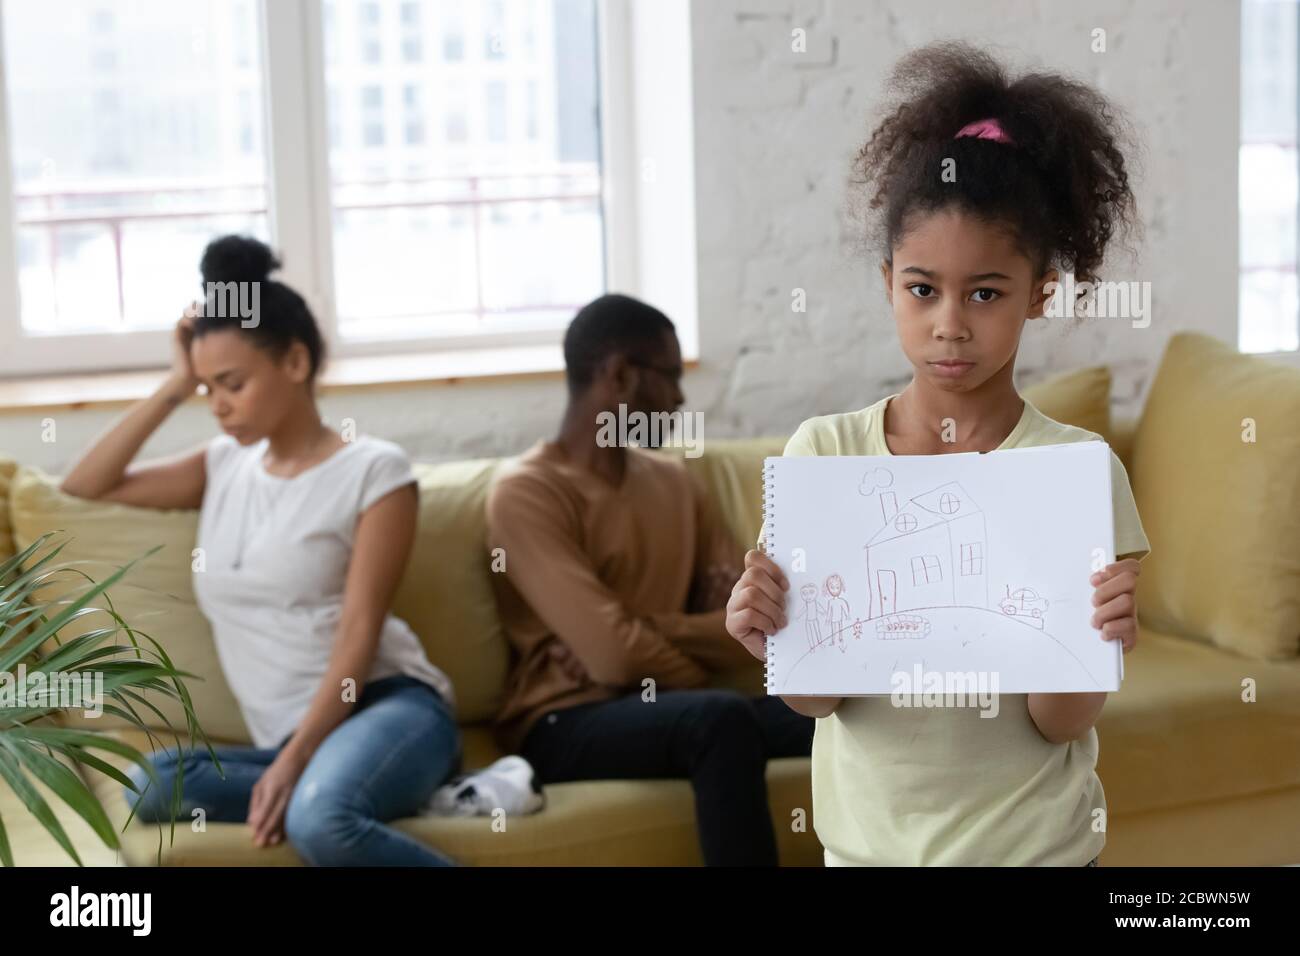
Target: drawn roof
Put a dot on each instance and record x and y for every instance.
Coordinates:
(937, 506)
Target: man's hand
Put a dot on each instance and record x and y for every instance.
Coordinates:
(568, 661)
(757, 605)
(1115, 598)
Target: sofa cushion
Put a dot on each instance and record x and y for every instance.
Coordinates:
(155, 597)
(1080, 398)
(732, 472)
(446, 593)
(589, 823)
(1222, 513)
(1178, 731)
(7, 471)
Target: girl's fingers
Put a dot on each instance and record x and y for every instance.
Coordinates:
(757, 559)
(1113, 587)
(756, 643)
(1117, 607)
(755, 621)
(1124, 630)
(758, 578)
(1130, 565)
(752, 597)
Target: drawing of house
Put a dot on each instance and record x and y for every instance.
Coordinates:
(931, 552)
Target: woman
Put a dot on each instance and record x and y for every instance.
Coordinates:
(303, 537)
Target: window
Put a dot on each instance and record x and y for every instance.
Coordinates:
(457, 193)
(372, 116)
(972, 558)
(925, 570)
(412, 35)
(119, 175)
(494, 28)
(503, 232)
(453, 34)
(368, 35)
(413, 115)
(1269, 309)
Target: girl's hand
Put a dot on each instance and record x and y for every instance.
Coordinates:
(1115, 598)
(757, 605)
(270, 799)
(183, 336)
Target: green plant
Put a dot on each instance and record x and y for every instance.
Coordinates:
(111, 654)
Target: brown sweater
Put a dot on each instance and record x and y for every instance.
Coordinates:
(601, 582)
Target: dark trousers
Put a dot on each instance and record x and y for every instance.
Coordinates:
(718, 739)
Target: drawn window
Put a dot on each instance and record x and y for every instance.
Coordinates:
(925, 570)
(949, 503)
(905, 523)
(972, 558)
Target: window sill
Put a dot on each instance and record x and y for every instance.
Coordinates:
(108, 389)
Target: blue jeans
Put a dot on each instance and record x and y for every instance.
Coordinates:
(384, 761)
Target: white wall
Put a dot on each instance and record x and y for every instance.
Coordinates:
(774, 135)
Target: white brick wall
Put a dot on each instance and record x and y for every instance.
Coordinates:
(775, 133)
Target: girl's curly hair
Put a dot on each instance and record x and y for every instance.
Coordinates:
(1062, 185)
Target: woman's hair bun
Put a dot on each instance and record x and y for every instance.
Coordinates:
(237, 259)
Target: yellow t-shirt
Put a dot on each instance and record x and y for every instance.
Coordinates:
(944, 786)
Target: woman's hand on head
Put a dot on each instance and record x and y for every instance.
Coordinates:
(757, 605)
(1115, 598)
(182, 371)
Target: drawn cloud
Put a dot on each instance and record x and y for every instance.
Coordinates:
(875, 479)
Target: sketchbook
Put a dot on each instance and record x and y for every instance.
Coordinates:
(942, 569)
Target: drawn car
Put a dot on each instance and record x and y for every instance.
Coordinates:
(1023, 601)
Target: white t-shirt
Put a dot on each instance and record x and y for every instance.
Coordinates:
(275, 560)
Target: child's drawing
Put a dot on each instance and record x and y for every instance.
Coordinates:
(941, 557)
(895, 626)
(931, 553)
(836, 613)
(837, 610)
(810, 612)
(1024, 603)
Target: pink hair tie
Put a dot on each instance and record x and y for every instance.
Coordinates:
(986, 129)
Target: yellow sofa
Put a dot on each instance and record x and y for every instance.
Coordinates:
(1193, 773)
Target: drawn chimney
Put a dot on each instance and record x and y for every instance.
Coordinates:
(888, 505)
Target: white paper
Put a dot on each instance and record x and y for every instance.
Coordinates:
(942, 568)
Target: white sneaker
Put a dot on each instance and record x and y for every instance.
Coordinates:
(509, 785)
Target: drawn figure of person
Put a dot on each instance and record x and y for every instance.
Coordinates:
(837, 610)
(810, 612)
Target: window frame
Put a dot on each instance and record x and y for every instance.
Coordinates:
(299, 211)
(1286, 356)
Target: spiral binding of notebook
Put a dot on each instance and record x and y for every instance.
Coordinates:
(769, 549)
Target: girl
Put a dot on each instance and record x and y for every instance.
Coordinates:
(304, 536)
(983, 188)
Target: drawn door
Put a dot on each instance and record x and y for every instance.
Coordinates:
(886, 590)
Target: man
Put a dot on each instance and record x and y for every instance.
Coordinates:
(617, 573)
